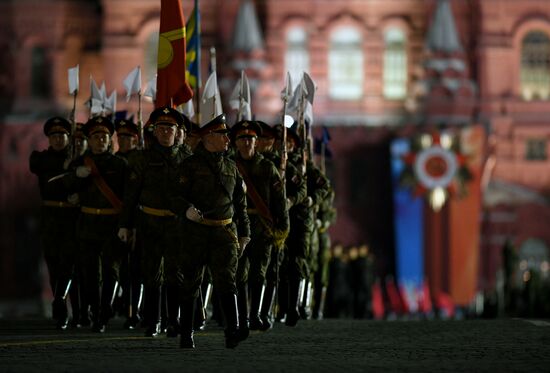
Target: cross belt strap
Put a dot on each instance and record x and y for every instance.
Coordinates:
(102, 184)
(259, 203)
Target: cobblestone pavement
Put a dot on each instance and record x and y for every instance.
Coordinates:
(320, 346)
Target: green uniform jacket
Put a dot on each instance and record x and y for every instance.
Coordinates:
(151, 179)
(295, 183)
(269, 185)
(211, 183)
(114, 170)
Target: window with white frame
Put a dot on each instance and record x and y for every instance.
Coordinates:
(535, 149)
(395, 65)
(345, 64)
(535, 66)
(296, 56)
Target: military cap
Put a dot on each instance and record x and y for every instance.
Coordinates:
(245, 128)
(217, 125)
(125, 127)
(267, 130)
(78, 132)
(98, 124)
(57, 125)
(166, 116)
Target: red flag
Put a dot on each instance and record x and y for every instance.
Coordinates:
(393, 296)
(377, 301)
(425, 301)
(445, 303)
(172, 87)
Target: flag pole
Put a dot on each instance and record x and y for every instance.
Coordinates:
(141, 144)
(213, 66)
(284, 155)
(198, 85)
(241, 98)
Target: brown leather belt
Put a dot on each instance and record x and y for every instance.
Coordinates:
(156, 212)
(58, 204)
(96, 211)
(215, 223)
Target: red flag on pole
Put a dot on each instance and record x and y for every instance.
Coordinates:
(377, 301)
(172, 87)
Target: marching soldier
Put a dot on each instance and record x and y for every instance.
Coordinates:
(268, 220)
(128, 140)
(296, 192)
(58, 216)
(211, 198)
(98, 178)
(325, 217)
(301, 227)
(148, 186)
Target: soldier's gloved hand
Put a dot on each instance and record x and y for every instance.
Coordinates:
(243, 241)
(123, 234)
(83, 171)
(289, 203)
(309, 201)
(193, 214)
(318, 223)
(73, 198)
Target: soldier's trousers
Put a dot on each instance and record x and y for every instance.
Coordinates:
(215, 247)
(99, 262)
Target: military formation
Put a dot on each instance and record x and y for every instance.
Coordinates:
(178, 209)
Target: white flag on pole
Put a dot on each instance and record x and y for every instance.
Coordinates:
(73, 80)
(151, 90)
(211, 103)
(240, 98)
(132, 82)
(110, 103)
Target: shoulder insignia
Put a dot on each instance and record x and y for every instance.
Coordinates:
(133, 176)
(295, 179)
(277, 185)
(321, 181)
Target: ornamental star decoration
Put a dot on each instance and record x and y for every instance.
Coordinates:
(436, 168)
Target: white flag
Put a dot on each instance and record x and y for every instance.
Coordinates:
(310, 87)
(73, 80)
(132, 83)
(286, 93)
(187, 109)
(110, 103)
(211, 103)
(103, 91)
(240, 98)
(151, 90)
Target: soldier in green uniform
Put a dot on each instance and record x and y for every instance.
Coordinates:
(301, 227)
(296, 192)
(269, 225)
(98, 178)
(58, 216)
(211, 199)
(152, 172)
(325, 217)
(127, 133)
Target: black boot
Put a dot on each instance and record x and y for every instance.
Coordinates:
(267, 304)
(186, 323)
(256, 299)
(282, 301)
(200, 313)
(152, 311)
(108, 295)
(74, 297)
(242, 304)
(173, 310)
(293, 300)
(231, 314)
(59, 305)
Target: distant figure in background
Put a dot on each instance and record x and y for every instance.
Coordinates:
(58, 216)
(361, 280)
(338, 292)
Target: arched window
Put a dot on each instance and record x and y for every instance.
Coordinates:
(40, 73)
(395, 65)
(535, 66)
(297, 56)
(345, 62)
(151, 52)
